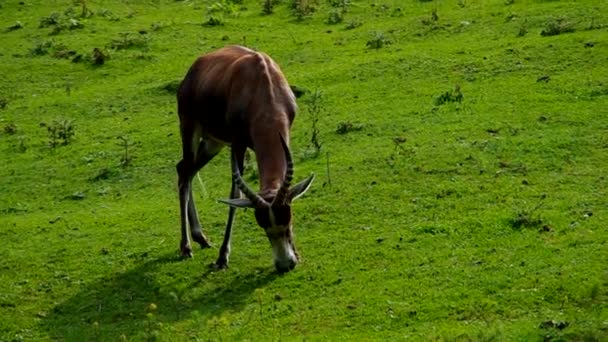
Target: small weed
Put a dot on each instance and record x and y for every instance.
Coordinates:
(21, 145)
(315, 107)
(125, 143)
(171, 87)
(432, 19)
(335, 17)
(353, 24)
(214, 21)
(10, 128)
(156, 26)
(85, 12)
(41, 48)
(347, 127)
(298, 91)
(556, 27)
(3, 102)
(523, 29)
(16, 26)
(98, 57)
(527, 218)
(303, 8)
(64, 53)
(128, 40)
(106, 13)
(51, 20)
(378, 41)
(60, 132)
(450, 96)
(226, 7)
(60, 22)
(267, 7)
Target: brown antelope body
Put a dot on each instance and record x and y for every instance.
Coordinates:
(238, 97)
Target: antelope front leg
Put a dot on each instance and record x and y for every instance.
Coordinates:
(222, 259)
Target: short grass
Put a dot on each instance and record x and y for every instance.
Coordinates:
(461, 181)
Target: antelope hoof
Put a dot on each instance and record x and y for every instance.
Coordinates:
(201, 239)
(186, 252)
(219, 266)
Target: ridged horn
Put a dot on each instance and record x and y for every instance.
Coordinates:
(256, 200)
(281, 196)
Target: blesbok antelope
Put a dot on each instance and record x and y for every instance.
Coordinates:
(239, 97)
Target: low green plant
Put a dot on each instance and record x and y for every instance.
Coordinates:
(451, 96)
(60, 132)
(335, 17)
(16, 26)
(41, 48)
(315, 108)
(378, 40)
(302, 9)
(10, 128)
(353, 24)
(98, 57)
(555, 27)
(129, 40)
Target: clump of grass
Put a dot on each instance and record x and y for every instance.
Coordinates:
(16, 26)
(10, 128)
(170, 87)
(227, 7)
(213, 21)
(523, 29)
(3, 102)
(20, 146)
(353, 24)
(63, 52)
(128, 40)
(347, 127)
(98, 57)
(556, 27)
(41, 48)
(335, 17)
(302, 9)
(528, 218)
(450, 96)
(377, 41)
(106, 13)
(432, 19)
(60, 22)
(50, 20)
(60, 132)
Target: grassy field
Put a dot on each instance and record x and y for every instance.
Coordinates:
(461, 188)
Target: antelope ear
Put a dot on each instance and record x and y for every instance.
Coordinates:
(299, 189)
(237, 202)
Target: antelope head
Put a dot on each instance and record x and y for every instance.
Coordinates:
(274, 214)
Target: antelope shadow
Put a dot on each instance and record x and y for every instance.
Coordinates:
(121, 304)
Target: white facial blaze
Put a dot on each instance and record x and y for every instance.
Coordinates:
(282, 250)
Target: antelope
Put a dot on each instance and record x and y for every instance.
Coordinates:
(238, 97)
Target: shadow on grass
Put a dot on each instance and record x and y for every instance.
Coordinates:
(122, 304)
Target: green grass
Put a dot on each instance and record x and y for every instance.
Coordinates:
(482, 218)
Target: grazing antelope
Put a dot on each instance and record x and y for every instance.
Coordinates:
(238, 97)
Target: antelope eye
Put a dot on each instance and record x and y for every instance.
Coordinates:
(263, 218)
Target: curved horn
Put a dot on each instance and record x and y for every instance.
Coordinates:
(281, 196)
(256, 200)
